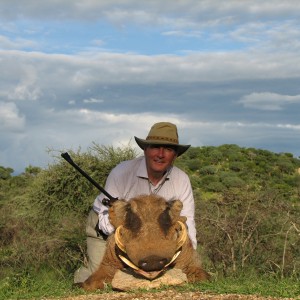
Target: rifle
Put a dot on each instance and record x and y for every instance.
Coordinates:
(106, 202)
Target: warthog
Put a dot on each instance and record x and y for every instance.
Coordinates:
(150, 237)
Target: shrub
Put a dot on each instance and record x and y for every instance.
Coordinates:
(45, 225)
(208, 170)
(250, 230)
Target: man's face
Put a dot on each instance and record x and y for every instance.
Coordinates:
(159, 157)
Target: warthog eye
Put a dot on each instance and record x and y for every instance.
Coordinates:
(165, 221)
(132, 221)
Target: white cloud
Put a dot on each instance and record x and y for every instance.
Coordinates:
(289, 126)
(93, 100)
(10, 118)
(153, 12)
(18, 43)
(182, 33)
(268, 101)
(126, 68)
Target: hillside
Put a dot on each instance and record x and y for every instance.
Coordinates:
(215, 169)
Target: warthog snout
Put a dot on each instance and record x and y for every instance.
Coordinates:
(153, 263)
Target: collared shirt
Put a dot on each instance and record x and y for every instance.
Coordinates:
(130, 179)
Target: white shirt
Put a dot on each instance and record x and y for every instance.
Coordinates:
(130, 179)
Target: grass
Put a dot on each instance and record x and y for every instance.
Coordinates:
(47, 284)
(27, 285)
(263, 286)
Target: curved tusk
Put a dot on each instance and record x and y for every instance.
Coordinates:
(173, 259)
(118, 239)
(129, 263)
(184, 235)
(133, 266)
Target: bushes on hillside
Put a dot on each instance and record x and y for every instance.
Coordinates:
(247, 208)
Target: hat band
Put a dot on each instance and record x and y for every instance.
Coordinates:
(162, 138)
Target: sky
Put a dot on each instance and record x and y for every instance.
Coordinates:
(74, 73)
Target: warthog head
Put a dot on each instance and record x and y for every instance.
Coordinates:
(149, 233)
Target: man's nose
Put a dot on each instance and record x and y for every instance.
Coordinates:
(161, 151)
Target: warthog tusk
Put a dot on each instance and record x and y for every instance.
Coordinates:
(118, 240)
(173, 258)
(133, 266)
(183, 236)
(129, 263)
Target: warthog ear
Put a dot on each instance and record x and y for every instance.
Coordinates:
(117, 213)
(175, 209)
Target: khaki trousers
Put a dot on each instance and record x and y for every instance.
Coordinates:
(95, 249)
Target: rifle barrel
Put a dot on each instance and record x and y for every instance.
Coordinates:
(68, 158)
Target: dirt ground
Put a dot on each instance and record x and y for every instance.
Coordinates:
(166, 295)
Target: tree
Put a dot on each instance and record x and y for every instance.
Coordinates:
(5, 173)
(32, 171)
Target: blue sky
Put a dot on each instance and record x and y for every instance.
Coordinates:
(78, 72)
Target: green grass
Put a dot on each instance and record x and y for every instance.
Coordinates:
(27, 285)
(263, 286)
(47, 284)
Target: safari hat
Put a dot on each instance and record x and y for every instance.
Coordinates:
(162, 133)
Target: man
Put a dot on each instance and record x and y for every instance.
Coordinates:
(152, 173)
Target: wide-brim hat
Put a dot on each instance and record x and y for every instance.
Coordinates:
(163, 133)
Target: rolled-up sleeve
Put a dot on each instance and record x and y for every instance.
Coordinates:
(104, 224)
(111, 187)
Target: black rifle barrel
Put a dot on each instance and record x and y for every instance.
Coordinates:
(68, 158)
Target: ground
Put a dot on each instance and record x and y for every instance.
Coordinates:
(166, 295)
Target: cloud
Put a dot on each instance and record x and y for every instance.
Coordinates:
(268, 101)
(93, 100)
(10, 118)
(270, 26)
(152, 12)
(18, 43)
(74, 72)
(181, 33)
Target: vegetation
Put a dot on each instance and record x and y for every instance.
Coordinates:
(247, 215)
(249, 200)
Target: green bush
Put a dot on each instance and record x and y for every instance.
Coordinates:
(208, 170)
(46, 223)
